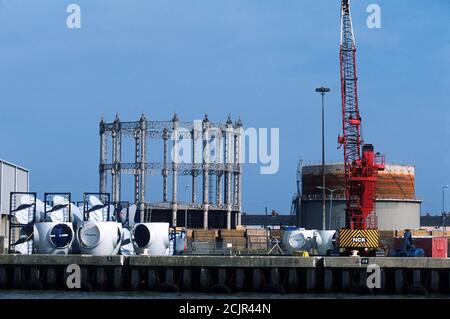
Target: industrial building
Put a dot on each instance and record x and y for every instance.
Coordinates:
(214, 158)
(13, 178)
(396, 204)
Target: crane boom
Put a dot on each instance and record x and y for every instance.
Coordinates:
(361, 163)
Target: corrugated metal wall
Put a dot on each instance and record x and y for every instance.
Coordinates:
(391, 214)
(13, 178)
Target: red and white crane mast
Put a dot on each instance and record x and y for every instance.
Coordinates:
(361, 163)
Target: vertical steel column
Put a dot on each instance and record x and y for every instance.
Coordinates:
(235, 167)
(228, 165)
(103, 157)
(174, 169)
(194, 170)
(239, 170)
(165, 171)
(113, 156)
(219, 171)
(142, 163)
(137, 148)
(206, 160)
(117, 143)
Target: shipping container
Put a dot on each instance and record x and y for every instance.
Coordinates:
(436, 247)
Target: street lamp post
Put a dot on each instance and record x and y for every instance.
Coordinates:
(186, 205)
(322, 90)
(443, 209)
(331, 204)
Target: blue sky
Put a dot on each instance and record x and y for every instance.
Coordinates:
(259, 60)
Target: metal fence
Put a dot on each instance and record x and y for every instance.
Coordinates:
(231, 247)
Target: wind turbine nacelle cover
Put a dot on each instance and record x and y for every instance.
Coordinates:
(99, 238)
(299, 240)
(151, 238)
(326, 241)
(53, 238)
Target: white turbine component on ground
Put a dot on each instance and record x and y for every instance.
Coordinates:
(180, 243)
(111, 210)
(126, 248)
(26, 201)
(56, 214)
(96, 215)
(151, 238)
(326, 242)
(53, 238)
(131, 215)
(99, 237)
(24, 245)
(77, 219)
(77, 215)
(300, 240)
(22, 248)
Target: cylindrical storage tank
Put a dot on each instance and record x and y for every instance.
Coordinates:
(396, 204)
(150, 238)
(54, 238)
(99, 238)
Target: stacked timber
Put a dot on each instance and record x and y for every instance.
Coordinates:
(414, 232)
(233, 238)
(257, 238)
(276, 234)
(189, 233)
(440, 233)
(205, 235)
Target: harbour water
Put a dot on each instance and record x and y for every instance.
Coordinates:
(35, 294)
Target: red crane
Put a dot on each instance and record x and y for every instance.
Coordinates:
(361, 163)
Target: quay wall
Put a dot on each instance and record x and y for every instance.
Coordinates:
(221, 274)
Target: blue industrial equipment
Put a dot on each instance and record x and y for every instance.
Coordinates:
(407, 248)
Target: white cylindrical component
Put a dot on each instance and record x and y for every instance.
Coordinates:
(151, 236)
(293, 240)
(327, 242)
(99, 238)
(299, 240)
(53, 238)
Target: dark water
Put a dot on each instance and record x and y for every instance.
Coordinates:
(25, 294)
